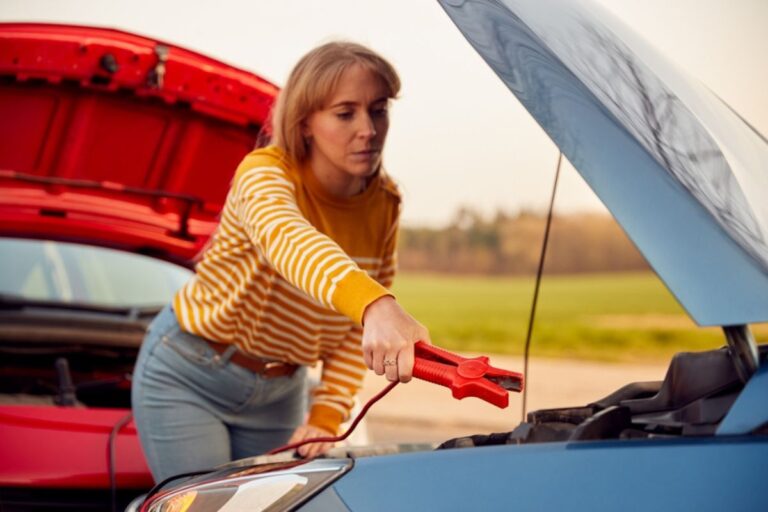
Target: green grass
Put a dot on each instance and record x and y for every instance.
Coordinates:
(615, 317)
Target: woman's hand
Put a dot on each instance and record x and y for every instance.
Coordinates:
(389, 334)
(310, 450)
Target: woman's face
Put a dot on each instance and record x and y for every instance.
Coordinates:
(346, 137)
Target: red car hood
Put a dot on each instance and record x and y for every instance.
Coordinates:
(118, 140)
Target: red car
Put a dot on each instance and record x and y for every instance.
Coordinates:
(116, 153)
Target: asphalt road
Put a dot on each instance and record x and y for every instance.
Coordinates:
(424, 412)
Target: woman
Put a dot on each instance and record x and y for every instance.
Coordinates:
(296, 273)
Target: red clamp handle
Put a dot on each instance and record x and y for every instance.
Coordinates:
(465, 376)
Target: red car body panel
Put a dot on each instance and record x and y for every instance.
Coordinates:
(115, 140)
(119, 140)
(58, 447)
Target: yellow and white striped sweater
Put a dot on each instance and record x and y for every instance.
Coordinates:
(290, 271)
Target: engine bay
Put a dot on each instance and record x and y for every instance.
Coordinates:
(68, 358)
(696, 394)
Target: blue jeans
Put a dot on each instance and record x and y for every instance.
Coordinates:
(195, 409)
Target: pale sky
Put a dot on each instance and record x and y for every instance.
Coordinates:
(457, 136)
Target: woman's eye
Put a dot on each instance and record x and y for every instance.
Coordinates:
(344, 116)
(379, 112)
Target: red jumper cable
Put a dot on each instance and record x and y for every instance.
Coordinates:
(464, 376)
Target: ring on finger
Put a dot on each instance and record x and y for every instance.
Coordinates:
(390, 362)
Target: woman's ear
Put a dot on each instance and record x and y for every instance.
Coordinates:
(306, 132)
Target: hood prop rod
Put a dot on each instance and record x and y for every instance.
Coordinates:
(539, 272)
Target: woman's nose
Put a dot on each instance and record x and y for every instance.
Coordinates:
(366, 128)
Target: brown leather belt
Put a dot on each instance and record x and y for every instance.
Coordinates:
(265, 368)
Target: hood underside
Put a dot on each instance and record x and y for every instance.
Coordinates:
(118, 140)
(681, 172)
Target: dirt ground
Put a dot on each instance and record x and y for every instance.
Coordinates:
(424, 412)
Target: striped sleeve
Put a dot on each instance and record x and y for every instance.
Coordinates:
(342, 377)
(265, 203)
(344, 369)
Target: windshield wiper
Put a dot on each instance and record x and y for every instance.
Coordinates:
(18, 302)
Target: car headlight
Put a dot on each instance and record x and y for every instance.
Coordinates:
(250, 489)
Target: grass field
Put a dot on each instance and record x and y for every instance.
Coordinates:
(615, 317)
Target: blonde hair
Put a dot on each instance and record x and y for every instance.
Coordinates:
(312, 82)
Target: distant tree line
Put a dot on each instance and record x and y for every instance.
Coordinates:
(511, 244)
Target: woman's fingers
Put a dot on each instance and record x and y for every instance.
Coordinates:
(389, 334)
(368, 357)
(405, 365)
(391, 365)
(395, 364)
(314, 449)
(305, 432)
(378, 360)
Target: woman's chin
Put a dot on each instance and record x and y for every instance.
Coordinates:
(364, 169)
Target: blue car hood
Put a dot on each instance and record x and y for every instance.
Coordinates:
(682, 173)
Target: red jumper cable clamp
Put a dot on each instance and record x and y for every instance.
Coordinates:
(465, 376)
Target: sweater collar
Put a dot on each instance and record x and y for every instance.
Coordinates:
(317, 189)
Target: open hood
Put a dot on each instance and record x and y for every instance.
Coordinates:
(681, 172)
(118, 140)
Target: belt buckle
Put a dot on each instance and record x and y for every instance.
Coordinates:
(278, 369)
